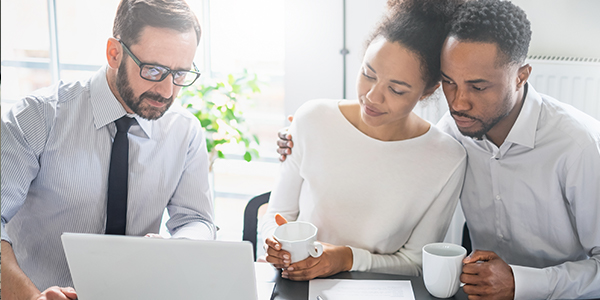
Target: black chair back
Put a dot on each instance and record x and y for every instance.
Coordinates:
(251, 218)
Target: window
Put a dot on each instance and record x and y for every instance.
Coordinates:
(25, 61)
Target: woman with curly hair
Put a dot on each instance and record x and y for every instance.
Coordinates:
(376, 179)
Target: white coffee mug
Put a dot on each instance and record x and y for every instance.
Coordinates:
(299, 239)
(442, 266)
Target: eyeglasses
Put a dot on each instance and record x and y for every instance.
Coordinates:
(158, 73)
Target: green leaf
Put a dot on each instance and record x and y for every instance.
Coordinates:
(220, 154)
(209, 145)
(205, 122)
(247, 156)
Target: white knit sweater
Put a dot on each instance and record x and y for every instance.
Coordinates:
(383, 199)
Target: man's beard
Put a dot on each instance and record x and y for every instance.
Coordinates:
(136, 104)
(485, 125)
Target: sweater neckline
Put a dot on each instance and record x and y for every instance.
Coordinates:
(365, 136)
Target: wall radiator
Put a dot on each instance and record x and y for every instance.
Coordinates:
(575, 81)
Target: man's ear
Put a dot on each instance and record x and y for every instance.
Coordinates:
(429, 91)
(523, 75)
(114, 53)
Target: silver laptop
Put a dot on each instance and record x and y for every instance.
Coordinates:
(126, 267)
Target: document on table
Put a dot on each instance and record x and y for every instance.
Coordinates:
(349, 289)
(265, 290)
(265, 280)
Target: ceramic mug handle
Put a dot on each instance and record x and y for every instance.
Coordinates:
(315, 249)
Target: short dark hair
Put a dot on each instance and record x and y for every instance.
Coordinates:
(494, 21)
(134, 15)
(421, 26)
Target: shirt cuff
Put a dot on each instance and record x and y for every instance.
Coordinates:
(361, 259)
(5, 236)
(195, 231)
(531, 283)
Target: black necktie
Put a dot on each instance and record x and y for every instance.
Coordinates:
(116, 208)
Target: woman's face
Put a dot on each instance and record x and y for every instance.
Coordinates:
(389, 83)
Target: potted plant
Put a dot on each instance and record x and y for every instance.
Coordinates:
(217, 104)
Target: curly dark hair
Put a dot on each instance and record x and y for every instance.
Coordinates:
(494, 21)
(422, 27)
(134, 15)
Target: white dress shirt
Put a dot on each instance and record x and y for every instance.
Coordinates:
(55, 158)
(535, 200)
(385, 200)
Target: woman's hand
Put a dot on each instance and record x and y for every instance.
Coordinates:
(279, 258)
(335, 259)
(154, 236)
(284, 143)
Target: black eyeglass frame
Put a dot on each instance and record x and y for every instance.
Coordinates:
(164, 74)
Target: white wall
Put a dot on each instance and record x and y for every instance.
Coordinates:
(361, 19)
(563, 27)
(313, 39)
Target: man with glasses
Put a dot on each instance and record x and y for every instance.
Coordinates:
(60, 166)
(158, 73)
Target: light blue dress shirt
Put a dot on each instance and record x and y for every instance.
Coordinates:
(55, 158)
(535, 200)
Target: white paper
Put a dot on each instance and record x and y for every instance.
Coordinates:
(265, 290)
(265, 280)
(348, 289)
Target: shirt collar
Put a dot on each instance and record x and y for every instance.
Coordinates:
(146, 125)
(105, 106)
(524, 130)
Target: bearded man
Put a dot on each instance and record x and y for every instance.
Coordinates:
(60, 166)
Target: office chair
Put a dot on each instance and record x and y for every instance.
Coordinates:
(251, 218)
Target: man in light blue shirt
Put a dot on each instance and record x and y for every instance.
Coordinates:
(56, 151)
(531, 195)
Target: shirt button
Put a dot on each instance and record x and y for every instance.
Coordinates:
(498, 197)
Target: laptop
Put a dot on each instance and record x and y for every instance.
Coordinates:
(128, 267)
